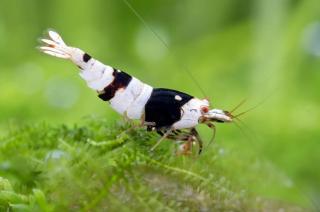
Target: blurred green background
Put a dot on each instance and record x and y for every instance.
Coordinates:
(256, 50)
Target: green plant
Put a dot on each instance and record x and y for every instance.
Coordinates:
(98, 166)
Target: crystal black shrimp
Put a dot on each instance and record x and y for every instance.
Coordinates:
(172, 114)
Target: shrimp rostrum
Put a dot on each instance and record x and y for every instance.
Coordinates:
(172, 114)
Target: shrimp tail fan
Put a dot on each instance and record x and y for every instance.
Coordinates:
(54, 45)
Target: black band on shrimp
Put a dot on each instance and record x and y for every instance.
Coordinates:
(164, 106)
(121, 81)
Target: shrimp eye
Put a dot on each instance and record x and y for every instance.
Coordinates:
(204, 109)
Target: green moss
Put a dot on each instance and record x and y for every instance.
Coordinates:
(98, 166)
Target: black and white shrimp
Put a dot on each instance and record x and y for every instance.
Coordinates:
(172, 114)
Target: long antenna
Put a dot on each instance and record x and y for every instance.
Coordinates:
(183, 66)
(258, 104)
(236, 107)
(250, 109)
